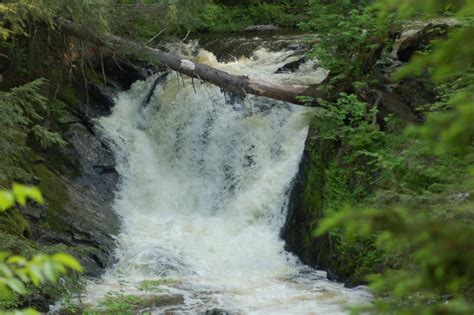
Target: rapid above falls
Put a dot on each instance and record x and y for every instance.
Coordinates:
(205, 180)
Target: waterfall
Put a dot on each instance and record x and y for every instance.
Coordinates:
(205, 179)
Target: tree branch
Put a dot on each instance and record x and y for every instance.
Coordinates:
(237, 84)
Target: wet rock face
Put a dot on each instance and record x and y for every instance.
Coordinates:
(97, 163)
(100, 97)
(307, 201)
(85, 223)
(79, 181)
(121, 75)
(416, 40)
(228, 46)
(292, 66)
(217, 311)
(306, 208)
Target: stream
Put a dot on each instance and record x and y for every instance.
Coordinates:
(205, 181)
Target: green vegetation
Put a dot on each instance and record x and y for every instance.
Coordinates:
(154, 285)
(351, 38)
(123, 304)
(221, 17)
(404, 198)
(16, 272)
(119, 303)
(389, 199)
(21, 107)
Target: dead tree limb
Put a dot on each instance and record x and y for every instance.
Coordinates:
(237, 84)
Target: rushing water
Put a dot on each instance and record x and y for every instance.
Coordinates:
(204, 192)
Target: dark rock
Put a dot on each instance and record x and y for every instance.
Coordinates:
(38, 302)
(217, 311)
(307, 200)
(292, 66)
(228, 46)
(262, 28)
(35, 213)
(297, 47)
(122, 74)
(78, 183)
(82, 221)
(413, 92)
(159, 79)
(418, 40)
(306, 208)
(97, 163)
(331, 275)
(79, 214)
(351, 283)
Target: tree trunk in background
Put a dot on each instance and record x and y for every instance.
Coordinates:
(237, 84)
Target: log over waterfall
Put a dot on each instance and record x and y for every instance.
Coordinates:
(237, 84)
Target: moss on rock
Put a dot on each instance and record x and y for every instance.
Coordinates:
(325, 184)
(13, 222)
(129, 304)
(56, 196)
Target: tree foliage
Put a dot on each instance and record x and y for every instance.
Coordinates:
(22, 111)
(17, 272)
(347, 31)
(425, 235)
(17, 14)
(434, 237)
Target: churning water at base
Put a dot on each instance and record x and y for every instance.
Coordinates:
(203, 196)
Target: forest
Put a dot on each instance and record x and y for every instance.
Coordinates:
(237, 157)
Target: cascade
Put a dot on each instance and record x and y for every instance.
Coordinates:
(205, 180)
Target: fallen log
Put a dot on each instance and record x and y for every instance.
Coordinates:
(237, 84)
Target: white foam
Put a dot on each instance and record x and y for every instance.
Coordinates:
(203, 197)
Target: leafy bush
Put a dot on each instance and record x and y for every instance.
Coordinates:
(422, 222)
(16, 272)
(21, 109)
(348, 32)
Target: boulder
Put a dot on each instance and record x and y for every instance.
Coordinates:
(292, 66)
(262, 28)
(418, 37)
(78, 183)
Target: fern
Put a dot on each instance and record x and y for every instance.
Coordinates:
(20, 115)
(14, 14)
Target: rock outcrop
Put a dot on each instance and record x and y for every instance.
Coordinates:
(307, 203)
(262, 28)
(79, 180)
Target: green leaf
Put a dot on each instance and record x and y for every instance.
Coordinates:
(16, 285)
(17, 260)
(49, 272)
(68, 261)
(7, 200)
(28, 311)
(22, 193)
(35, 275)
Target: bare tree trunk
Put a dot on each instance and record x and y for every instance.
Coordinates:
(237, 84)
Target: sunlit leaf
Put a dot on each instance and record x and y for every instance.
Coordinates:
(7, 200)
(22, 193)
(68, 261)
(16, 285)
